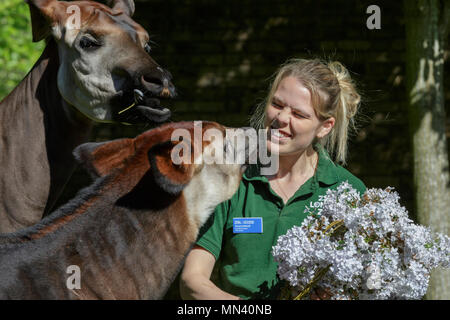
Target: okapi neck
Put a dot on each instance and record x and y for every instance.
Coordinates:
(34, 112)
(38, 92)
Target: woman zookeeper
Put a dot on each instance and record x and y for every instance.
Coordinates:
(312, 104)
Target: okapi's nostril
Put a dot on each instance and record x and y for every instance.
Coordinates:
(158, 85)
(153, 80)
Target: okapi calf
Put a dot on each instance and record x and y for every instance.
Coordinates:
(130, 231)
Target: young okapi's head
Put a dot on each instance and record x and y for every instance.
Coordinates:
(202, 161)
(105, 66)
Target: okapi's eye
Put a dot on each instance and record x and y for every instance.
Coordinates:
(147, 48)
(88, 43)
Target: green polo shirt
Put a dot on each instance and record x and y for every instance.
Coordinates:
(244, 264)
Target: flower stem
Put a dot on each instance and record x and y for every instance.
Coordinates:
(337, 223)
(319, 275)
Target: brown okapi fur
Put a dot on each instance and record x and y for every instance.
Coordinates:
(86, 74)
(128, 232)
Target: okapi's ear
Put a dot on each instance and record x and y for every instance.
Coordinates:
(126, 6)
(42, 15)
(101, 158)
(169, 172)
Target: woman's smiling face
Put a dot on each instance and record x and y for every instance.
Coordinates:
(292, 113)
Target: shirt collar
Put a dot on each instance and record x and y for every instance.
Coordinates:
(326, 169)
(253, 173)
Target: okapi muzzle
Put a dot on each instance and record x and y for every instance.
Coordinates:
(150, 84)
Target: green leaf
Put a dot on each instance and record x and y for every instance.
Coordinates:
(17, 51)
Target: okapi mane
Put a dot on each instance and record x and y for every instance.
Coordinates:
(160, 134)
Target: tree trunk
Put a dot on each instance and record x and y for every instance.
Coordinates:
(426, 34)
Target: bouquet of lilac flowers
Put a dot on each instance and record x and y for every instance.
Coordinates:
(360, 248)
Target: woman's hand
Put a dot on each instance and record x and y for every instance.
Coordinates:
(195, 280)
(320, 294)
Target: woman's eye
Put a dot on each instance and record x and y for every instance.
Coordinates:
(87, 43)
(275, 105)
(147, 48)
(298, 115)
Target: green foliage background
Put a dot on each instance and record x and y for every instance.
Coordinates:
(17, 51)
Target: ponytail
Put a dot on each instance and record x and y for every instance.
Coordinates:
(347, 103)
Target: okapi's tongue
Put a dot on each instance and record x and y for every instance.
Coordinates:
(156, 115)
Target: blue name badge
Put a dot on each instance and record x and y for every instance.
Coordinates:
(248, 225)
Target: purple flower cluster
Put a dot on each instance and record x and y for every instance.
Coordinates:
(372, 250)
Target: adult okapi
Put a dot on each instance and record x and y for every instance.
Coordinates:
(86, 73)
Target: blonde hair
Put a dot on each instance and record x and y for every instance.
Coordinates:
(333, 94)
